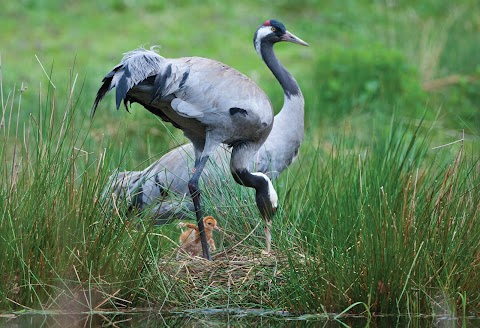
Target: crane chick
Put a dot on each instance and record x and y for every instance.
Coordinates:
(190, 239)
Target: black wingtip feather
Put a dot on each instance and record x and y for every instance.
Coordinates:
(121, 90)
(125, 103)
(100, 94)
(106, 83)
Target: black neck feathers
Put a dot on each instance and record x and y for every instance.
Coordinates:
(286, 80)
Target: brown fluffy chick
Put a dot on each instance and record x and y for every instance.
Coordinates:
(190, 239)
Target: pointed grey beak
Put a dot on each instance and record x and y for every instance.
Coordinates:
(289, 37)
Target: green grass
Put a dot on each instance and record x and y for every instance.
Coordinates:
(374, 215)
(389, 226)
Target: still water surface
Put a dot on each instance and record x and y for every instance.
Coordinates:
(219, 318)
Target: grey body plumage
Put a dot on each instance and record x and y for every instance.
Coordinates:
(173, 170)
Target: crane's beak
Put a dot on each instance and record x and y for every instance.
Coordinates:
(289, 37)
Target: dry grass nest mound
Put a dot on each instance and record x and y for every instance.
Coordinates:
(240, 267)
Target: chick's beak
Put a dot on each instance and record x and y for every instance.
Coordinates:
(290, 37)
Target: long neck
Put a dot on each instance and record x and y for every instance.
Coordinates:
(287, 133)
(291, 116)
(286, 80)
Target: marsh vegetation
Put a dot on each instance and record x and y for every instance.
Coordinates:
(379, 215)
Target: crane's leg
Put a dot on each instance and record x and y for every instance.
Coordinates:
(195, 193)
(268, 236)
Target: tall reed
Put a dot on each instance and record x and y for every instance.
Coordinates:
(392, 224)
(59, 246)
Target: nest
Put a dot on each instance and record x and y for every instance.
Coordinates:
(241, 270)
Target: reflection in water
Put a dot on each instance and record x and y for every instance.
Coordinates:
(221, 318)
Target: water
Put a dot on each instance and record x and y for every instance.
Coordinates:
(221, 318)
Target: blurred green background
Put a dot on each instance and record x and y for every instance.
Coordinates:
(368, 61)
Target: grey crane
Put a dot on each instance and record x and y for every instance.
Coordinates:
(160, 186)
(212, 104)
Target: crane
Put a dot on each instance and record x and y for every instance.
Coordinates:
(161, 185)
(212, 104)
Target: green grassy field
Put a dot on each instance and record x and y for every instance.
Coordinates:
(378, 215)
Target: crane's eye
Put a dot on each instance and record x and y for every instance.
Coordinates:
(273, 29)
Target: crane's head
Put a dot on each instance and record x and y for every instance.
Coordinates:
(273, 31)
(266, 196)
(210, 223)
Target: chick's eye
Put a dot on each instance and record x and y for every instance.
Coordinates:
(273, 29)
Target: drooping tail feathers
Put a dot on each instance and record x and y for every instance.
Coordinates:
(135, 66)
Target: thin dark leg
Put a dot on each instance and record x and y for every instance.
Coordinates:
(195, 193)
